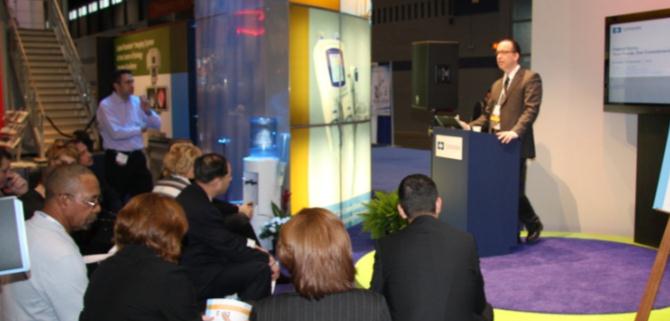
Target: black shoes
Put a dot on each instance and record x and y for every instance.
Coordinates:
(534, 229)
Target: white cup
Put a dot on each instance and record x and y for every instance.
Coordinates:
(477, 129)
(228, 310)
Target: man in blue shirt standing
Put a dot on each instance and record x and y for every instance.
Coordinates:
(123, 118)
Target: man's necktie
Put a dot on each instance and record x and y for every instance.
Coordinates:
(506, 83)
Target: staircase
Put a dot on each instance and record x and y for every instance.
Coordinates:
(54, 87)
(50, 78)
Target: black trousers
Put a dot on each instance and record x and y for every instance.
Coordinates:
(527, 214)
(131, 179)
(250, 280)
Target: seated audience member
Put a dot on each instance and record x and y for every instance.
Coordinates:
(429, 270)
(111, 202)
(178, 173)
(98, 238)
(11, 183)
(177, 169)
(219, 262)
(54, 288)
(315, 248)
(142, 281)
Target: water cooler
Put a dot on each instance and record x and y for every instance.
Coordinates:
(263, 173)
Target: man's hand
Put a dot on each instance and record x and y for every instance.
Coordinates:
(247, 209)
(463, 124)
(144, 104)
(507, 136)
(274, 267)
(15, 184)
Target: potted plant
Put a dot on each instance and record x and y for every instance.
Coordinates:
(382, 217)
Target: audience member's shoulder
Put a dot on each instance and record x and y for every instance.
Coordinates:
(363, 295)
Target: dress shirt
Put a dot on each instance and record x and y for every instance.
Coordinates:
(121, 122)
(57, 279)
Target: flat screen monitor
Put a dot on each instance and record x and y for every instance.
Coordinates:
(14, 256)
(637, 62)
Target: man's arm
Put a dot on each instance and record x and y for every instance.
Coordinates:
(65, 289)
(109, 123)
(532, 98)
(377, 283)
(486, 110)
(149, 116)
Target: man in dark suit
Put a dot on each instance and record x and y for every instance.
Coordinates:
(428, 271)
(218, 261)
(510, 114)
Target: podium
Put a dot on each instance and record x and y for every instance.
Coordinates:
(478, 180)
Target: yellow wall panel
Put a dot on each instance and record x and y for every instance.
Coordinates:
(326, 4)
(299, 104)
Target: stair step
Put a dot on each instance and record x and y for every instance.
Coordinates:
(40, 45)
(63, 106)
(30, 52)
(49, 71)
(57, 92)
(60, 99)
(26, 31)
(46, 58)
(47, 64)
(63, 77)
(46, 85)
(50, 39)
(72, 113)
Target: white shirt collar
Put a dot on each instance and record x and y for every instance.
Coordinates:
(513, 72)
(50, 219)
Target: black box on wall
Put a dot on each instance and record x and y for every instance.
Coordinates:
(435, 75)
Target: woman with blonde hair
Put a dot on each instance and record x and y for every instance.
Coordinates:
(177, 168)
(142, 281)
(315, 248)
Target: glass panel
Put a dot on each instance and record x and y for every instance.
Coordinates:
(241, 61)
(522, 9)
(521, 32)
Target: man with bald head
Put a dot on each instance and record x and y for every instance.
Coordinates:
(55, 285)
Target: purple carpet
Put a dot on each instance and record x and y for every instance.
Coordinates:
(559, 275)
(572, 276)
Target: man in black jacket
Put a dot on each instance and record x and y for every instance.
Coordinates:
(428, 271)
(218, 261)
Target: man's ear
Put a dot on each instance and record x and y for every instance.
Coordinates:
(402, 213)
(438, 206)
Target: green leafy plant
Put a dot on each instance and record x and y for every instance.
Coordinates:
(382, 217)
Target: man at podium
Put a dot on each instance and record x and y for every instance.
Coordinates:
(510, 113)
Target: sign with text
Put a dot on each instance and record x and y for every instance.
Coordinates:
(450, 147)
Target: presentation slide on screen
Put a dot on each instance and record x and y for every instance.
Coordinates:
(639, 62)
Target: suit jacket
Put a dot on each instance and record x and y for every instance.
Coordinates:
(137, 284)
(429, 271)
(353, 305)
(518, 109)
(209, 245)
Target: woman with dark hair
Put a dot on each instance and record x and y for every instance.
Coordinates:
(315, 248)
(142, 281)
